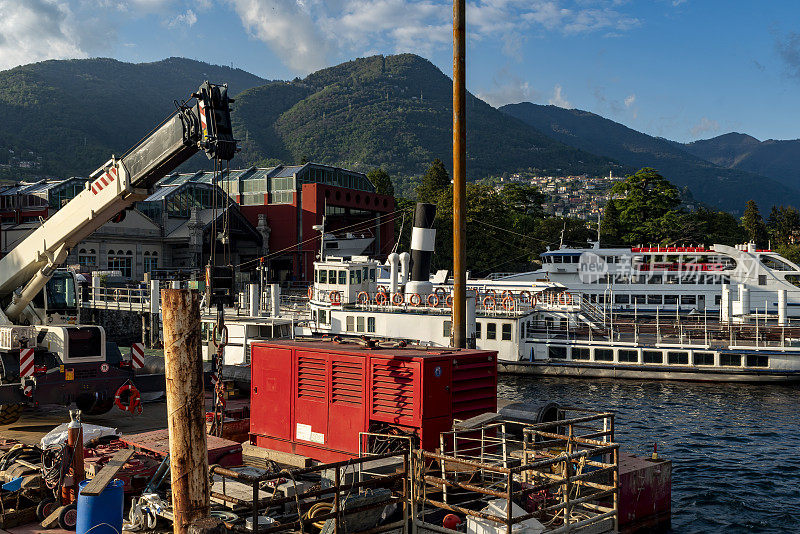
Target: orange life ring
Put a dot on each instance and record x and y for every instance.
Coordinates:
(564, 298)
(133, 401)
(525, 295)
(335, 297)
(507, 293)
(488, 302)
(310, 292)
(491, 292)
(415, 299)
(397, 299)
(433, 300)
(508, 303)
(449, 301)
(381, 298)
(363, 297)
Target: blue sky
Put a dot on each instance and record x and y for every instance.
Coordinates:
(681, 69)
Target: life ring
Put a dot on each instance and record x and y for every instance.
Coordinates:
(433, 300)
(565, 299)
(525, 295)
(335, 297)
(508, 303)
(534, 300)
(507, 293)
(310, 292)
(488, 302)
(133, 401)
(449, 301)
(381, 298)
(397, 299)
(491, 292)
(415, 299)
(363, 297)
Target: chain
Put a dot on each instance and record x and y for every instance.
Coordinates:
(220, 336)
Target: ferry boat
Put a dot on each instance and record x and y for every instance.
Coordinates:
(646, 280)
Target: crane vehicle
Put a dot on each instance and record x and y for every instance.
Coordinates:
(44, 359)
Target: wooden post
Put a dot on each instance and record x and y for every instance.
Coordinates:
(185, 418)
(459, 176)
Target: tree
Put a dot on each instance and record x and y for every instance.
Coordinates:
(435, 182)
(754, 224)
(643, 198)
(523, 198)
(382, 182)
(610, 226)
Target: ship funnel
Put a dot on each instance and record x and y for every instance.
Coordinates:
(423, 241)
(393, 261)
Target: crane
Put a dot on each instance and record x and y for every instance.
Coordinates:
(60, 353)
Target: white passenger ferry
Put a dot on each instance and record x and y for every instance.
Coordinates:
(645, 280)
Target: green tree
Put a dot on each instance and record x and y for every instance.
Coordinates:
(435, 182)
(754, 224)
(610, 225)
(523, 198)
(382, 182)
(644, 199)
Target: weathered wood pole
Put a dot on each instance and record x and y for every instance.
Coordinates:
(459, 175)
(183, 367)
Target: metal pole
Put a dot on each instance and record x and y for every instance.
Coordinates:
(183, 367)
(459, 176)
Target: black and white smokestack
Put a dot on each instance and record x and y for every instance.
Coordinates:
(423, 241)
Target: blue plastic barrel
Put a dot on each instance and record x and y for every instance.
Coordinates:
(102, 511)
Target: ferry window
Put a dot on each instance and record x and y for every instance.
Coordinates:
(370, 324)
(688, 299)
(601, 299)
(358, 277)
(622, 299)
(730, 360)
(556, 259)
(350, 322)
(331, 277)
(477, 330)
(703, 358)
(757, 360)
(639, 299)
(360, 323)
(717, 300)
(342, 277)
(491, 331)
(670, 299)
(506, 334)
(365, 273)
(592, 297)
(677, 358)
(372, 274)
(654, 299)
(762, 279)
(672, 279)
(655, 279)
(628, 356)
(352, 277)
(580, 353)
(323, 277)
(604, 355)
(557, 353)
(446, 327)
(775, 263)
(688, 279)
(652, 356)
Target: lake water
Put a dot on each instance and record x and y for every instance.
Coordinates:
(735, 448)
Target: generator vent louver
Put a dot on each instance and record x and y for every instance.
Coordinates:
(474, 388)
(346, 382)
(392, 390)
(311, 378)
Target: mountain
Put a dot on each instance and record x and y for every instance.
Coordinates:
(74, 114)
(780, 160)
(722, 187)
(394, 112)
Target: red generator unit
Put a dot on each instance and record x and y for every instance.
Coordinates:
(313, 398)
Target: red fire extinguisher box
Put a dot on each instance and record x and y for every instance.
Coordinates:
(315, 397)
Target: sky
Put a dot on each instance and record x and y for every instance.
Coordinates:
(680, 69)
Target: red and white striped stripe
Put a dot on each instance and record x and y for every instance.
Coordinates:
(137, 355)
(107, 177)
(26, 368)
(202, 109)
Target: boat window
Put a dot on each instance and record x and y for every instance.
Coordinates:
(556, 259)
(576, 259)
(352, 277)
(601, 299)
(580, 353)
(671, 279)
(360, 323)
(688, 299)
(639, 299)
(365, 273)
(774, 263)
(323, 276)
(331, 277)
(506, 333)
(491, 331)
(757, 360)
(604, 355)
(717, 300)
(762, 279)
(670, 299)
(730, 360)
(446, 327)
(342, 277)
(350, 322)
(655, 279)
(372, 275)
(703, 358)
(628, 355)
(622, 299)
(557, 353)
(652, 356)
(477, 330)
(677, 358)
(358, 277)
(654, 298)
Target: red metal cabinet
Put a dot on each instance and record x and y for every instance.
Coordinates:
(271, 384)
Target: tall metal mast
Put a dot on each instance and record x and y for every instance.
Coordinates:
(459, 177)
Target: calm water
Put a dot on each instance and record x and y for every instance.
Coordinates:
(735, 449)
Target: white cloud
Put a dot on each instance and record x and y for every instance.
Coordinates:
(629, 100)
(508, 89)
(183, 19)
(705, 125)
(558, 98)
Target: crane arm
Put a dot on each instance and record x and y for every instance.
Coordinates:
(204, 125)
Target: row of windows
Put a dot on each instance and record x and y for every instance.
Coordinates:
(119, 260)
(658, 357)
(339, 276)
(693, 278)
(491, 330)
(356, 323)
(650, 298)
